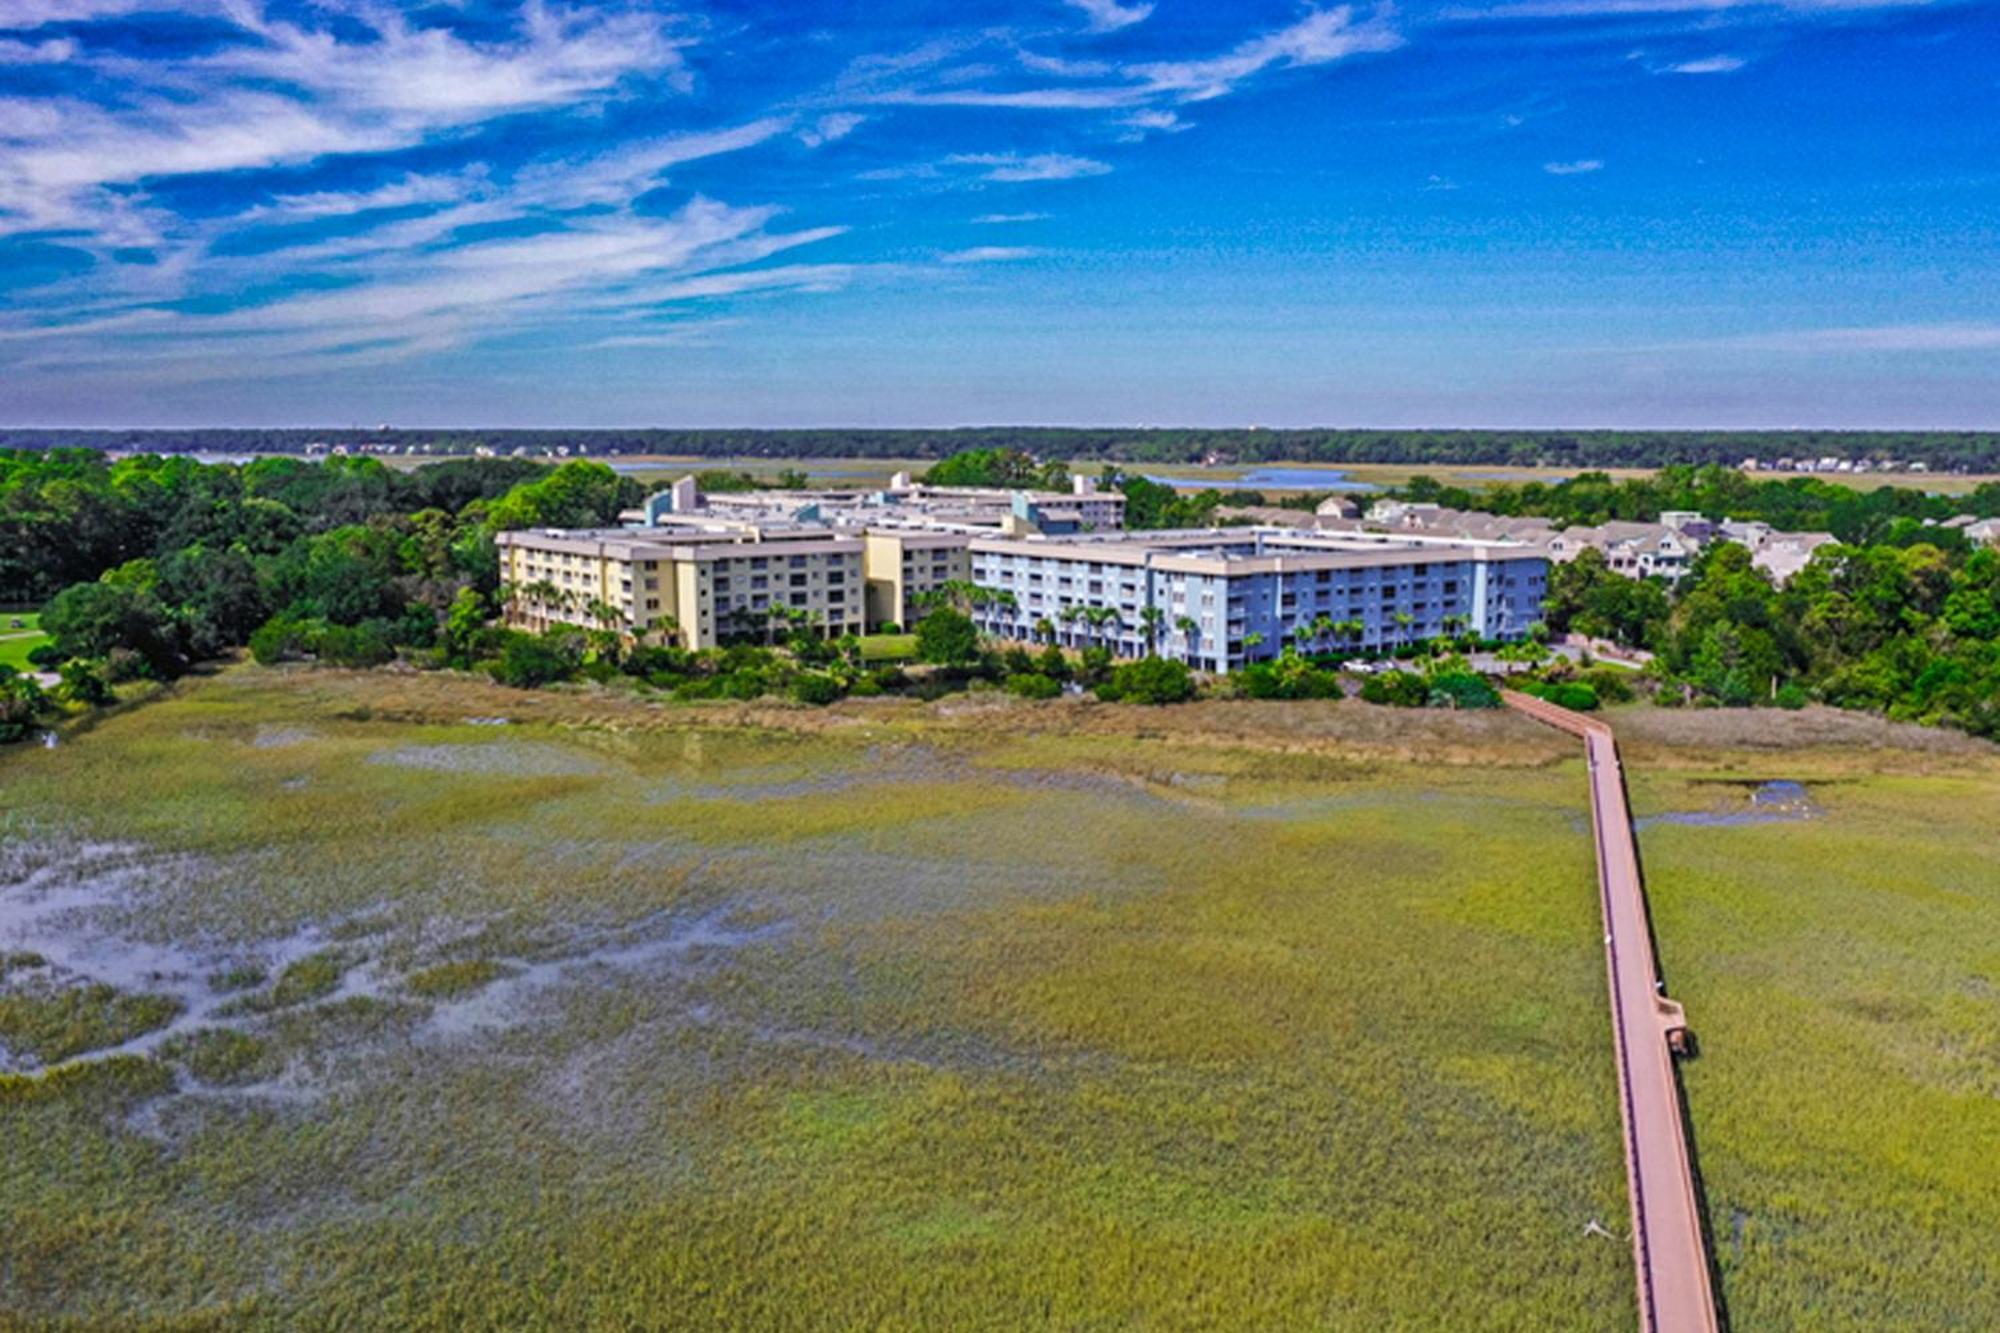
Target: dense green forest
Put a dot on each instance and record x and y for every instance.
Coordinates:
(1965, 451)
(150, 564)
(1911, 632)
(1894, 515)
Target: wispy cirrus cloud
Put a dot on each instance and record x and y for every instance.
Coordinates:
(1005, 167)
(395, 263)
(1717, 64)
(1110, 15)
(936, 75)
(989, 254)
(1582, 166)
(283, 94)
(994, 219)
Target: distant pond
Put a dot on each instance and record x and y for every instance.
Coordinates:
(1273, 478)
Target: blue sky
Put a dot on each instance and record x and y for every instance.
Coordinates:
(871, 212)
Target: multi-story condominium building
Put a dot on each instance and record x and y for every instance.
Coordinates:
(905, 503)
(1221, 598)
(901, 565)
(696, 584)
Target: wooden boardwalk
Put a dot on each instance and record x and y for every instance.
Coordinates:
(1669, 1247)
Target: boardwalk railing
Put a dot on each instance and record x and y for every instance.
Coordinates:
(1669, 1247)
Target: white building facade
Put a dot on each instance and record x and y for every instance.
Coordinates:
(1221, 598)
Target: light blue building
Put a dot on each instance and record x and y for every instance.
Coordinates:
(1220, 598)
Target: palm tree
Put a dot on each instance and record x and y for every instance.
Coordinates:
(1190, 628)
(1069, 615)
(1252, 642)
(1322, 628)
(1045, 630)
(1403, 622)
(1150, 618)
(1102, 618)
(1354, 629)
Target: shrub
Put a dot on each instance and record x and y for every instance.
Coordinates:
(1613, 685)
(1577, 697)
(817, 688)
(947, 637)
(365, 645)
(527, 662)
(1793, 696)
(1150, 680)
(1052, 663)
(1398, 689)
(1462, 689)
(83, 683)
(21, 702)
(278, 639)
(1033, 685)
(1288, 676)
(1093, 664)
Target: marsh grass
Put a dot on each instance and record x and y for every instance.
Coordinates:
(218, 1055)
(1841, 974)
(449, 980)
(899, 1018)
(51, 1023)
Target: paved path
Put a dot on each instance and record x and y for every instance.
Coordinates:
(1669, 1251)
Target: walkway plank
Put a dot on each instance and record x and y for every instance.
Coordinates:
(1669, 1248)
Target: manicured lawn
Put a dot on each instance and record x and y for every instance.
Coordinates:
(17, 641)
(888, 647)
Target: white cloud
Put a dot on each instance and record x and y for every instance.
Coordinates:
(989, 254)
(1580, 167)
(1110, 15)
(25, 14)
(413, 303)
(828, 128)
(1321, 36)
(433, 76)
(1035, 167)
(1709, 65)
(409, 191)
(1156, 121)
(51, 52)
(990, 219)
(287, 95)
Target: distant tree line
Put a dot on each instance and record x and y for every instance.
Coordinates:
(1967, 451)
(1892, 515)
